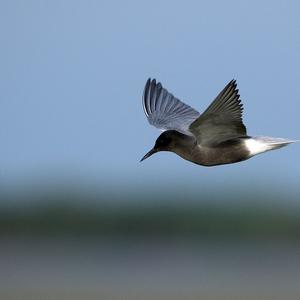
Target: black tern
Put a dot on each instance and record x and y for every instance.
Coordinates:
(215, 137)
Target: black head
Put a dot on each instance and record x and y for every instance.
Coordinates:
(163, 143)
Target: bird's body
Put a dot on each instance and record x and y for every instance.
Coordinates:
(216, 137)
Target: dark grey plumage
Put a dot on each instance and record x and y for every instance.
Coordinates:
(222, 120)
(217, 136)
(164, 111)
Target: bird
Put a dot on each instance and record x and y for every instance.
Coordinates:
(218, 136)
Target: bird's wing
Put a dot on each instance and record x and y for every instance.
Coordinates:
(222, 120)
(166, 112)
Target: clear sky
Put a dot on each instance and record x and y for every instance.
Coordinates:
(72, 75)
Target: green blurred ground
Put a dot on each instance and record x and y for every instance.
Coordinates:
(137, 214)
(71, 244)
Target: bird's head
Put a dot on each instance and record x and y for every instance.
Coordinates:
(163, 143)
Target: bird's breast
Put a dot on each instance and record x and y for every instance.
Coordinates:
(226, 153)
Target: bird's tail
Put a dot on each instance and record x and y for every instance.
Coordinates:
(260, 144)
(272, 143)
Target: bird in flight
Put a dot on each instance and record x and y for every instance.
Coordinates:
(215, 137)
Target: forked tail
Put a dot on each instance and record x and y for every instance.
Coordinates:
(259, 144)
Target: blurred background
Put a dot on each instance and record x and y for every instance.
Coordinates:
(80, 217)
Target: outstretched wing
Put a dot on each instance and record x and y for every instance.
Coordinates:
(166, 112)
(222, 120)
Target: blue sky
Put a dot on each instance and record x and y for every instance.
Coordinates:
(72, 74)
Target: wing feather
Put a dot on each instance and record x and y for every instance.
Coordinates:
(222, 120)
(166, 112)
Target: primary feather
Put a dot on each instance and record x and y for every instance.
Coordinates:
(222, 120)
(166, 112)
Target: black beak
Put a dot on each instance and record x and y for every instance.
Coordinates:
(152, 151)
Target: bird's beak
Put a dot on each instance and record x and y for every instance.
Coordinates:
(152, 151)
